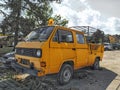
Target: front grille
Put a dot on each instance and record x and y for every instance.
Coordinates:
(26, 52)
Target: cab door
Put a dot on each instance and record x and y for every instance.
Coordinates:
(62, 48)
(81, 50)
(67, 45)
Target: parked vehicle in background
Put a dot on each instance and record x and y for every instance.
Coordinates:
(116, 46)
(8, 40)
(7, 59)
(107, 46)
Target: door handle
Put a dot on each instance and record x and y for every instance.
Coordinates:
(73, 48)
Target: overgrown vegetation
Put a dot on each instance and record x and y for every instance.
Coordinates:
(5, 50)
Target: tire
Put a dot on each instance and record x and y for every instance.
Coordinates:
(96, 65)
(116, 48)
(65, 74)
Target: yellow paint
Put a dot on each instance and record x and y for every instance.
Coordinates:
(54, 54)
(50, 22)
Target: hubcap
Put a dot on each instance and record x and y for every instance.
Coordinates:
(67, 75)
(97, 64)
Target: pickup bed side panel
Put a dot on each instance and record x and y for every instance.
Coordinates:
(95, 51)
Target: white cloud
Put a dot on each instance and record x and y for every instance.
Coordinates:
(80, 13)
(112, 25)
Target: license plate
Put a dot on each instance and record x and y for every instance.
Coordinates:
(24, 61)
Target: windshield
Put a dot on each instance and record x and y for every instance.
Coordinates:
(41, 34)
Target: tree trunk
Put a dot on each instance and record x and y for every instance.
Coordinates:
(3, 31)
(17, 22)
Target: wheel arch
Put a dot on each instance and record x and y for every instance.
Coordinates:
(70, 62)
(98, 58)
(65, 64)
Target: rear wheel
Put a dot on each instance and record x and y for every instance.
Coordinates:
(65, 74)
(96, 64)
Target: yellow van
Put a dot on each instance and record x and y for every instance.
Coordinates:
(56, 49)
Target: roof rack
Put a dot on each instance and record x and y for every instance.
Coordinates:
(88, 30)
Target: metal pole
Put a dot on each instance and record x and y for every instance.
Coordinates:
(88, 31)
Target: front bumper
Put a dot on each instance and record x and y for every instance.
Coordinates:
(23, 69)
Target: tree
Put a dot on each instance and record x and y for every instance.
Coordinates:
(60, 21)
(15, 12)
(25, 15)
(98, 36)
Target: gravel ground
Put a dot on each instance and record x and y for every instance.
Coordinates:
(84, 79)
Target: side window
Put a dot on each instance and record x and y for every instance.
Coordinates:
(63, 36)
(80, 38)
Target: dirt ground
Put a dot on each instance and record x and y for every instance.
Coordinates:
(107, 78)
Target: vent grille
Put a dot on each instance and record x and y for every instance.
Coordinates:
(26, 52)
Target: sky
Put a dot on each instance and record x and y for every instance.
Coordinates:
(101, 14)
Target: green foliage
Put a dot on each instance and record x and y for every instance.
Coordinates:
(39, 13)
(98, 36)
(24, 15)
(59, 20)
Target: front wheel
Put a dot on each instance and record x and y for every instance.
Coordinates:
(96, 65)
(65, 74)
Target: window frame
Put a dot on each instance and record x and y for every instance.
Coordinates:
(58, 36)
(77, 38)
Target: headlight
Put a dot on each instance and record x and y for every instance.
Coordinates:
(38, 53)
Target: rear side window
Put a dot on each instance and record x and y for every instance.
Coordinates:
(80, 38)
(63, 36)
